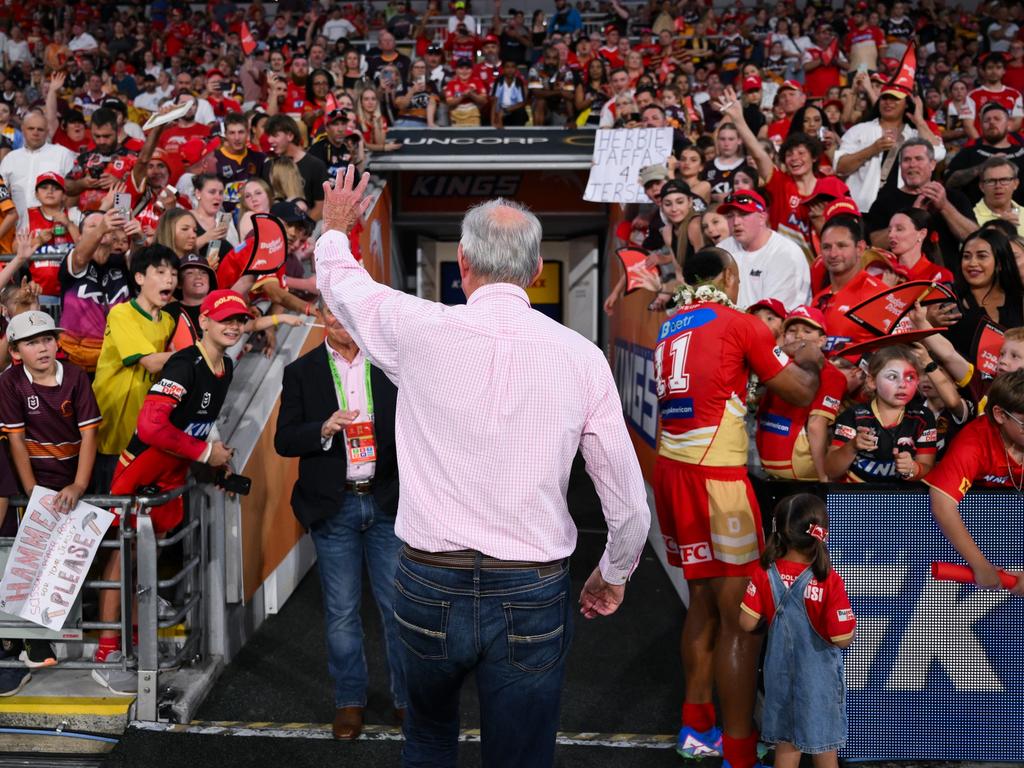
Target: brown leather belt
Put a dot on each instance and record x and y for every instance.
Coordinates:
(359, 487)
(468, 558)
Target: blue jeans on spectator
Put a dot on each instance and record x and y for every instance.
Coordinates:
(359, 530)
(513, 627)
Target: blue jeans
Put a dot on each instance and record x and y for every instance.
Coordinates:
(359, 530)
(513, 629)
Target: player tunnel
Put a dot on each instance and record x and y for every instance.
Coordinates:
(438, 174)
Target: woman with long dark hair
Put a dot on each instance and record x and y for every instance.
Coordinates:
(319, 85)
(988, 288)
(593, 91)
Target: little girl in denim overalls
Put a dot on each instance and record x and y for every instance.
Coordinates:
(809, 619)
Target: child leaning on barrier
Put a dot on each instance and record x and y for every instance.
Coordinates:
(805, 605)
(50, 417)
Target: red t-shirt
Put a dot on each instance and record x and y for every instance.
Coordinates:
(828, 605)
(841, 329)
(294, 100)
(864, 34)
(460, 88)
(789, 214)
(1014, 77)
(46, 272)
(927, 270)
(176, 135)
(1008, 97)
(704, 357)
(612, 56)
(778, 130)
(782, 441)
(821, 78)
(976, 456)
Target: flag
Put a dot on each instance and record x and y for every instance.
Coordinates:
(828, 56)
(633, 264)
(184, 335)
(987, 342)
(882, 313)
(268, 245)
(330, 103)
(248, 41)
(908, 337)
(904, 79)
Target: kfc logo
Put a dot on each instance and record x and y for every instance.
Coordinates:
(696, 553)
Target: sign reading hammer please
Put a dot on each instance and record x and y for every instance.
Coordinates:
(50, 559)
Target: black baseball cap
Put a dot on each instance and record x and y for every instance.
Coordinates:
(988, 106)
(463, 62)
(676, 186)
(337, 114)
(289, 212)
(190, 260)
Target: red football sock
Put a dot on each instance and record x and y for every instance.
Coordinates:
(108, 644)
(740, 753)
(700, 717)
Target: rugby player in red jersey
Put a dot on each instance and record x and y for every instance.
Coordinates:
(706, 507)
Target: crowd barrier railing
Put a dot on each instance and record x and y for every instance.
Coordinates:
(138, 545)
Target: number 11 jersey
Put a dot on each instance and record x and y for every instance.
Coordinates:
(702, 363)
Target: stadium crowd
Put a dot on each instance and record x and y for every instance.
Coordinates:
(823, 156)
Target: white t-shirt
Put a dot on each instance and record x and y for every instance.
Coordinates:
(338, 28)
(1009, 33)
(865, 180)
(469, 21)
(777, 270)
(84, 42)
(18, 51)
(22, 167)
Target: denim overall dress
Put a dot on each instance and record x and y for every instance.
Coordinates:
(805, 692)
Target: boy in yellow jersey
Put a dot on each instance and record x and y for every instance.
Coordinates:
(133, 354)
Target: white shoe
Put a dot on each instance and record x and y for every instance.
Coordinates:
(116, 680)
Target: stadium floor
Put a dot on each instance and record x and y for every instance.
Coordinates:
(624, 677)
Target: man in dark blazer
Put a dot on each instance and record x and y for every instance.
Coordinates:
(343, 433)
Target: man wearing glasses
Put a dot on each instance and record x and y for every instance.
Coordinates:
(999, 182)
(965, 168)
(988, 452)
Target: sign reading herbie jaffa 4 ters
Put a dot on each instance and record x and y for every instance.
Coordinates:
(50, 558)
(619, 154)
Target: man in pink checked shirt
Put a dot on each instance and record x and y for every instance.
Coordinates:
(494, 399)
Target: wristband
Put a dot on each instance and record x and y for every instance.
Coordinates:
(305, 310)
(931, 367)
(274, 318)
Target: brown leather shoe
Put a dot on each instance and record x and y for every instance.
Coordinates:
(348, 723)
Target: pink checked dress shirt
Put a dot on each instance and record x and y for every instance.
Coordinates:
(493, 400)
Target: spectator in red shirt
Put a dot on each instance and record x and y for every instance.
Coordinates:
(52, 231)
(1014, 76)
(465, 96)
(989, 452)
(97, 170)
(789, 99)
(911, 243)
(992, 88)
(184, 128)
(823, 63)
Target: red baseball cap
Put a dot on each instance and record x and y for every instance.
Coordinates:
(752, 83)
(224, 303)
(491, 39)
(792, 85)
(610, 28)
(53, 178)
(840, 206)
(745, 202)
(772, 305)
(811, 316)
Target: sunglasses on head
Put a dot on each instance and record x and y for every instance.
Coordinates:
(744, 199)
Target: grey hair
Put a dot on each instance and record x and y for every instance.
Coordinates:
(998, 161)
(918, 141)
(502, 248)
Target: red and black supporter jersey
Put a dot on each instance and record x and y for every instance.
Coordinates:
(914, 433)
(196, 391)
(93, 164)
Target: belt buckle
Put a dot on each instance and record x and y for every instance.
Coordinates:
(362, 487)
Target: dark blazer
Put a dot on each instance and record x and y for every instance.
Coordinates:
(308, 398)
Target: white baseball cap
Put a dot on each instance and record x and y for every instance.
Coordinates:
(30, 324)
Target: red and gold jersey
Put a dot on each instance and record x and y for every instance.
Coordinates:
(976, 456)
(842, 331)
(704, 357)
(782, 439)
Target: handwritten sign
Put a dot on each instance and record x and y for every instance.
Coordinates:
(619, 154)
(50, 559)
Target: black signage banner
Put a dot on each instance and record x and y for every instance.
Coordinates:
(496, 149)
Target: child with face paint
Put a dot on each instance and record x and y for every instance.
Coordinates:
(892, 437)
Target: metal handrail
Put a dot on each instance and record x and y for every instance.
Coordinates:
(142, 582)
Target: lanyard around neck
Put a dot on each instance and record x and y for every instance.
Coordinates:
(340, 388)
